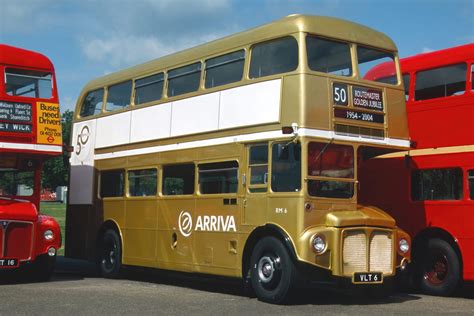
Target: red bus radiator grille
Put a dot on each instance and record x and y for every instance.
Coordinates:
(16, 240)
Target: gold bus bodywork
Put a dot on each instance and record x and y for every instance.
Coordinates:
(149, 226)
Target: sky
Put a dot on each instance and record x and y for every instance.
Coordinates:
(86, 39)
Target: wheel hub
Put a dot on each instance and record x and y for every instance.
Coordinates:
(266, 268)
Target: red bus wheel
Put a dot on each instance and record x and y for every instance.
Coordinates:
(439, 268)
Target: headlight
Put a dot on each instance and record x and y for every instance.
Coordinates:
(319, 244)
(48, 234)
(403, 245)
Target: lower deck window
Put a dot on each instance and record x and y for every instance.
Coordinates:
(286, 167)
(436, 184)
(219, 177)
(142, 182)
(16, 182)
(178, 179)
(111, 183)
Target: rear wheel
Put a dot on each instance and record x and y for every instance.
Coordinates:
(439, 268)
(272, 271)
(110, 255)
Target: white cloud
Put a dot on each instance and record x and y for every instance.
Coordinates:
(119, 51)
(427, 50)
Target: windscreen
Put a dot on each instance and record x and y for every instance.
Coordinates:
(14, 182)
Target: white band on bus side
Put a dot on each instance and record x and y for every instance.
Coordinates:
(34, 147)
(261, 136)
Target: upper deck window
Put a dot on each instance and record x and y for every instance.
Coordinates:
(329, 56)
(92, 103)
(149, 88)
(28, 83)
(118, 96)
(225, 69)
(368, 58)
(393, 80)
(274, 57)
(184, 79)
(440, 82)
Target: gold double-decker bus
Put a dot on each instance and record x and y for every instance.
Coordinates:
(239, 158)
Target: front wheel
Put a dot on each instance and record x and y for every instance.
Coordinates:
(272, 271)
(439, 268)
(110, 255)
(43, 268)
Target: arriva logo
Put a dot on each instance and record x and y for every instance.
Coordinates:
(209, 223)
(185, 223)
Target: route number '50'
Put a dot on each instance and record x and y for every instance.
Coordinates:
(339, 94)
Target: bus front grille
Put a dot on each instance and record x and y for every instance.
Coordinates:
(354, 252)
(16, 239)
(367, 255)
(381, 252)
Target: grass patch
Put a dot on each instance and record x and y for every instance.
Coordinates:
(58, 211)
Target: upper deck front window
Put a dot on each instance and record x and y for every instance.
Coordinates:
(274, 57)
(329, 56)
(28, 83)
(369, 58)
(92, 103)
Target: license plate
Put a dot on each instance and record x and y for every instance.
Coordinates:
(9, 263)
(367, 277)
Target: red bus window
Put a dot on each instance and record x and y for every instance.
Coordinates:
(440, 82)
(369, 58)
(28, 83)
(16, 182)
(470, 177)
(436, 184)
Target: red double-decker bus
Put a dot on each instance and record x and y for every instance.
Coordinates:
(30, 133)
(430, 189)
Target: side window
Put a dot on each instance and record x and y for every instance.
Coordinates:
(440, 82)
(436, 184)
(183, 80)
(286, 167)
(470, 178)
(118, 96)
(178, 179)
(92, 103)
(274, 57)
(149, 88)
(142, 182)
(330, 161)
(472, 77)
(406, 83)
(369, 58)
(225, 69)
(111, 183)
(258, 168)
(329, 56)
(218, 177)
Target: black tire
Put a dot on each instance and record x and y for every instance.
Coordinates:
(43, 268)
(272, 271)
(110, 255)
(438, 268)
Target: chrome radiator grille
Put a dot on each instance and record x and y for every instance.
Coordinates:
(361, 254)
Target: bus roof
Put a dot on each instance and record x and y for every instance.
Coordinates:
(318, 25)
(438, 58)
(15, 56)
